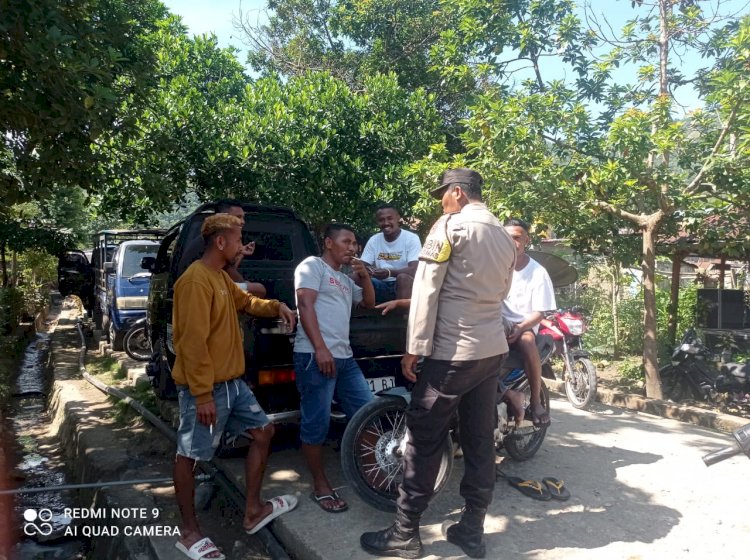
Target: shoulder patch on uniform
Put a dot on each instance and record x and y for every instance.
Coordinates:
(437, 247)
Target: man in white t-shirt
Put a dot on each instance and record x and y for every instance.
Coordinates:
(393, 256)
(531, 294)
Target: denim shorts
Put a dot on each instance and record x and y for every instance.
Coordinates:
(384, 290)
(316, 394)
(237, 410)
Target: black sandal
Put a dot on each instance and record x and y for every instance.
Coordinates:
(531, 488)
(333, 496)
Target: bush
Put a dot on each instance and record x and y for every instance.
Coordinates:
(601, 334)
(631, 368)
(11, 309)
(35, 297)
(686, 316)
(600, 337)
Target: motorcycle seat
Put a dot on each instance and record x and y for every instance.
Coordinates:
(733, 377)
(739, 371)
(544, 344)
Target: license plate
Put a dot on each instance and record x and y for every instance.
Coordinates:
(380, 383)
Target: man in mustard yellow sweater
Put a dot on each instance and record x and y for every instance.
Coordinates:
(208, 374)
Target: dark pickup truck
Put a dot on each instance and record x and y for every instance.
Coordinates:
(282, 241)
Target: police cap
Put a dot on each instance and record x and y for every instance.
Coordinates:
(461, 175)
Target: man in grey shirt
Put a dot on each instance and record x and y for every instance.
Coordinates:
(323, 359)
(455, 323)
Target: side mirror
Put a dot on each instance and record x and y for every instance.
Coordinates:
(147, 263)
(109, 267)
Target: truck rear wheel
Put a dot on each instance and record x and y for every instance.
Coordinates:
(114, 337)
(161, 374)
(97, 313)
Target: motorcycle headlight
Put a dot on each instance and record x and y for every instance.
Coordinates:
(575, 326)
(132, 302)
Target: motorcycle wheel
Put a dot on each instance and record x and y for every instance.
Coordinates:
(370, 452)
(524, 445)
(137, 345)
(675, 385)
(580, 384)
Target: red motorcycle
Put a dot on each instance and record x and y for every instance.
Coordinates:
(566, 327)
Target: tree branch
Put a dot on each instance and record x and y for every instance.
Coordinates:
(695, 184)
(639, 220)
(563, 145)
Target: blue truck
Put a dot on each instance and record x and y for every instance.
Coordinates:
(116, 288)
(124, 300)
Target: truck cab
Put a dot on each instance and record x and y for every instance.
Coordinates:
(121, 286)
(75, 276)
(127, 288)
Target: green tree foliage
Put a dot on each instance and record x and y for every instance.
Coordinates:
(325, 150)
(310, 142)
(353, 40)
(66, 70)
(630, 326)
(180, 140)
(349, 39)
(454, 49)
(631, 171)
(165, 117)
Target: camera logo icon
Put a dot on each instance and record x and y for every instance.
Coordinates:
(31, 516)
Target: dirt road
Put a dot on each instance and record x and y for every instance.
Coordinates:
(640, 491)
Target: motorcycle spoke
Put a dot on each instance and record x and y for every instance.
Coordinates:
(376, 444)
(367, 447)
(371, 468)
(390, 475)
(373, 430)
(400, 419)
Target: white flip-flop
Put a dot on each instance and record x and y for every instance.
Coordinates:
(281, 505)
(200, 549)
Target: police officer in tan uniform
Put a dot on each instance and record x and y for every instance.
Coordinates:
(455, 323)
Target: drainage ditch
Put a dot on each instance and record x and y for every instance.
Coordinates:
(38, 463)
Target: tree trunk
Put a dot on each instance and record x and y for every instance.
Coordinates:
(615, 316)
(14, 269)
(650, 348)
(674, 296)
(4, 265)
(665, 12)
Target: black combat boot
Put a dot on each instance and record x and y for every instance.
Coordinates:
(393, 541)
(469, 533)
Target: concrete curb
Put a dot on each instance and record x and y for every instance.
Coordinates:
(684, 413)
(79, 412)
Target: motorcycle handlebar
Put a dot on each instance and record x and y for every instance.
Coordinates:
(741, 445)
(721, 454)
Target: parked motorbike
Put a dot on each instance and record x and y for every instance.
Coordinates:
(693, 373)
(137, 342)
(566, 327)
(375, 438)
(741, 445)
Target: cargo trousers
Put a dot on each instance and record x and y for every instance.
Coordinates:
(442, 389)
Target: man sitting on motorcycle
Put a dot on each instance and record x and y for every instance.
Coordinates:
(531, 294)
